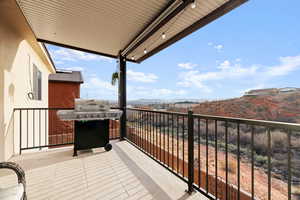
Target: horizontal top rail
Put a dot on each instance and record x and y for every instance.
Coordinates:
(269, 124)
(43, 108)
(53, 108)
(156, 111)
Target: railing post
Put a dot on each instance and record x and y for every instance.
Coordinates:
(20, 151)
(190, 152)
(122, 95)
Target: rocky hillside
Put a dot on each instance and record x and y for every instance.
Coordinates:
(268, 104)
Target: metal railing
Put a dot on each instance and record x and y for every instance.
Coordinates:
(41, 128)
(222, 157)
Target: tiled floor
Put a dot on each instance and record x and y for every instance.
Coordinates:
(123, 173)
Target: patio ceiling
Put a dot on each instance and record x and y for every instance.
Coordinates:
(135, 28)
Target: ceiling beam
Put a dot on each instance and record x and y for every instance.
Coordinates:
(159, 21)
(80, 49)
(222, 10)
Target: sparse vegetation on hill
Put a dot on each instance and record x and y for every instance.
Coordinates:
(280, 106)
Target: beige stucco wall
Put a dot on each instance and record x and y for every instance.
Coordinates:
(16, 59)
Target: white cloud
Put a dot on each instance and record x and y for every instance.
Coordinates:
(187, 65)
(141, 77)
(219, 47)
(75, 68)
(63, 54)
(95, 82)
(95, 87)
(287, 64)
(224, 65)
(167, 92)
(228, 71)
(135, 92)
(238, 60)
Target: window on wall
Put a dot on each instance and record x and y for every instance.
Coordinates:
(37, 83)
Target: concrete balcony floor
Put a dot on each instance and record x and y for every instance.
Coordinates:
(122, 173)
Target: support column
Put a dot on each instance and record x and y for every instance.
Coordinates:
(122, 95)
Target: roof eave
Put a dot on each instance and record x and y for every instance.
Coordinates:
(222, 10)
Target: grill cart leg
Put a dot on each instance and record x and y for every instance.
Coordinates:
(75, 152)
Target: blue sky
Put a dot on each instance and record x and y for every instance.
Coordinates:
(255, 46)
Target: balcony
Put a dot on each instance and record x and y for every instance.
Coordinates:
(163, 155)
(122, 173)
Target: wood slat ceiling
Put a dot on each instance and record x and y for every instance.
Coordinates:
(108, 26)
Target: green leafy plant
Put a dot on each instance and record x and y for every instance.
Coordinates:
(114, 78)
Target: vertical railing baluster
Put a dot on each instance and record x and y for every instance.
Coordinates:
(46, 127)
(252, 162)
(168, 137)
(172, 141)
(216, 159)
(177, 134)
(156, 137)
(148, 133)
(40, 128)
(183, 129)
(160, 137)
(135, 127)
(164, 138)
(140, 131)
(33, 137)
(226, 157)
(27, 127)
(289, 165)
(146, 130)
(206, 141)
(152, 132)
(238, 161)
(138, 128)
(20, 113)
(269, 163)
(199, 154)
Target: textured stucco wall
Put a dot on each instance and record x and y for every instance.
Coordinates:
(16, 60)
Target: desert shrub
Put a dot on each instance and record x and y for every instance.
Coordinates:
(279, 140)
(245, 139)
(261, 160)
(296, 190)
(296, 141)
(261, 144)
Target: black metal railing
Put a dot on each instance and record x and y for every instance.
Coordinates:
(41, 128)
(222, 157)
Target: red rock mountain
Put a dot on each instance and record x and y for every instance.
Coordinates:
(267, 104)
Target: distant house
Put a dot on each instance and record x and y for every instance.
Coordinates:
(258, 92)
(288, 89)
(64, 87)
(270, 91)
(24, 69)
